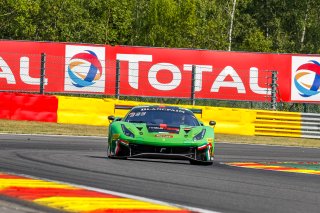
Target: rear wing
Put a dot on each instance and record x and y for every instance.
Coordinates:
(128, 107)
(196, 111)
(124, 107)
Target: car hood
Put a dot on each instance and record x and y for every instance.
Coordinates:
(165, 135)
(160, 135)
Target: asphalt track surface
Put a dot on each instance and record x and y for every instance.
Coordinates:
(82, 160)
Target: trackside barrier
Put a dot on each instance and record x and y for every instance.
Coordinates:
(15, 106)
(230, 121)
(91, 111)
(85, 111)
(310, 125)
(273, 123)
(94, 111)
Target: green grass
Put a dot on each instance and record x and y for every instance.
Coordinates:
(31, 127)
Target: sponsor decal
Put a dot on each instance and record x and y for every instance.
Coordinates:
(162, 109)
(84, 69)
(305, 84)
(209, 145)
(115, 136)
(163, 149)
(163, 136)
(210, 140)
(228, 77)
(8, 74)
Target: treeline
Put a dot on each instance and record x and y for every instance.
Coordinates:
(291, 26)
(281, 26)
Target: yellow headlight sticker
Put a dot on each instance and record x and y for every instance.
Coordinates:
(115, 136)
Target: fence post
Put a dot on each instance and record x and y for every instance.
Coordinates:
(305, 108)
(193, 75)
(274, 90)
(42, 72)
(118, 79)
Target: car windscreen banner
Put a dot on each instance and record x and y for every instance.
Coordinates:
(157, 72)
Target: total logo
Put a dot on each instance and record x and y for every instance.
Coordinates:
(84, 70)
(305, 85)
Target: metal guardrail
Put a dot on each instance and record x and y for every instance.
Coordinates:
(270, 123)
(93, 111)
(310, 125)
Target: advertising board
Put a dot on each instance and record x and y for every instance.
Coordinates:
(158, 72)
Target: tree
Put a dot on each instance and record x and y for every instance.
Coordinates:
(16, 18)
(247, 25)
(231, 23)
(211, 26)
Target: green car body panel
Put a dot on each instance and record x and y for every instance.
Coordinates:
(139, 139)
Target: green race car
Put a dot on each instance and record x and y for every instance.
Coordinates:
(161, 132)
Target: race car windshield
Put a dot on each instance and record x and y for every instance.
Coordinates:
(158, 115)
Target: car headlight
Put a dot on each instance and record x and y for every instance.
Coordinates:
(200, 135)
(126, 131)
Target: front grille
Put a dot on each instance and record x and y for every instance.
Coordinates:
(138, 149)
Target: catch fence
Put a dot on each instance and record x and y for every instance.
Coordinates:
(161, 82)
(287, 82)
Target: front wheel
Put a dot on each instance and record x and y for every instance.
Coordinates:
(109, 155)
(204, 163)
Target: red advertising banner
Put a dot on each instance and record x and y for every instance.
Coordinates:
(158, 72)
(20, 64)
(219, 75)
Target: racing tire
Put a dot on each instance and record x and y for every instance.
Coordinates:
(109, 155)
(204, 163)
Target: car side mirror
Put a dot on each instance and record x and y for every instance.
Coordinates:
(212, 123)
(111, 118)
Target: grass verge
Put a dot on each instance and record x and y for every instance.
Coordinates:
(31, 127)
